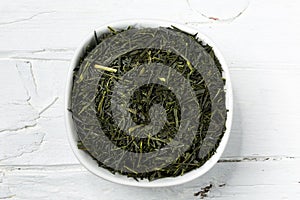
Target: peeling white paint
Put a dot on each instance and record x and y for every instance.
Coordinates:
(25, 19)
(48, 106)
(25, 70)
(5, 192)
(39, 54)
(15, 109)
(16, 143)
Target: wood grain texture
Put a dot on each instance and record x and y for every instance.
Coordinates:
(261, 46)
(235, 180)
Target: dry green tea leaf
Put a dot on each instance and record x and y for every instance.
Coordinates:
(149, 103)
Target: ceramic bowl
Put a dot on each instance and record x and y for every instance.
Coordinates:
(91, 164)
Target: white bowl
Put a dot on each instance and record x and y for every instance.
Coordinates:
(91, 164)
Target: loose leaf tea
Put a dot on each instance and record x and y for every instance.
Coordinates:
(149, 102)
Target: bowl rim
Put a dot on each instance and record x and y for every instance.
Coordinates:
(91, 164)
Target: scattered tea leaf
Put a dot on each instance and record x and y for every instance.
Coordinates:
(109, 69)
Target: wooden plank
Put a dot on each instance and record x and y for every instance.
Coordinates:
(266, 112)
(239, 180)
(260, 108)
(255, 39)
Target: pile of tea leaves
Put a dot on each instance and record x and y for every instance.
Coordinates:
(149, 103)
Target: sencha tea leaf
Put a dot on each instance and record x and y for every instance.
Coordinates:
(149, 103)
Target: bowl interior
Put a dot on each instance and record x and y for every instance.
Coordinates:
(91, 164)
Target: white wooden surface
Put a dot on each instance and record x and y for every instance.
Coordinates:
(260, 41)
